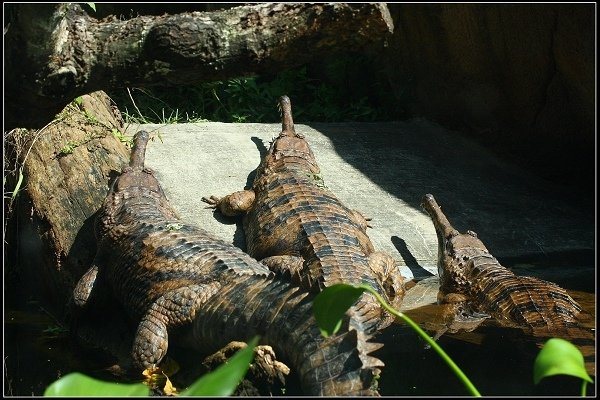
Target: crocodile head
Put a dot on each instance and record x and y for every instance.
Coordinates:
(289, 150)
(455, 249)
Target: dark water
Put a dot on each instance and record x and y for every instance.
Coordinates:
(498, 361)
(38, 350)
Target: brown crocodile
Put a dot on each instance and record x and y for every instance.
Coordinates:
(176, 280)
(479, 287)
(293, 222)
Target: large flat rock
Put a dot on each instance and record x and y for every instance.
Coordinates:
(383, 170)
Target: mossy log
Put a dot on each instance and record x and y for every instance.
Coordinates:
(66, 168)
(56, 52)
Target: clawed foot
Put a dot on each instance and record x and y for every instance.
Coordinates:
(264, 372)
(212, 201)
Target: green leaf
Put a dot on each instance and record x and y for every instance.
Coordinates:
(559, 357)
(224, 380)
(331, 304)
(17, 186)
(92, 6)
(77, 384)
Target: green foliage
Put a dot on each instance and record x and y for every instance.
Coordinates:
(318, 179)
(90, 118)
(224, 380)
(92, 6)
(17, 186)
(221, 382)
(121, 137)
(55, 331)
(560, 357)
(68, 148)
(331, 305)
(76, 384)
(327, 92)
(174, 227)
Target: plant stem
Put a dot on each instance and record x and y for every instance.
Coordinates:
(470, 387)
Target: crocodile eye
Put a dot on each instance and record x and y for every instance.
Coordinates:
(472, 233)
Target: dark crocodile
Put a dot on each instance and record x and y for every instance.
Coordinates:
(176, 279)
(478, 286)
(292, 222)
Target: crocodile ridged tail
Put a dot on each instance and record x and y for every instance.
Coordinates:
(282, 314)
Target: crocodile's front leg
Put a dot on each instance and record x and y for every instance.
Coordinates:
(234, 204)
(361, 220)
(458, 315)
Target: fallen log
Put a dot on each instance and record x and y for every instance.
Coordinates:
(65, 167)
(56, 52)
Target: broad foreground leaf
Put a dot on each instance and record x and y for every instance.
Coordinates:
(331, 304)
(559, 357)
(224, 380)
(77, 384)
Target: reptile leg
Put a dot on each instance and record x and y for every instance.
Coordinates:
(361, 220)
(84, 287)
(290, 264)
(386, 270)
(458, 316)
(174, 308)
(223, 355)
(265, 371)
(233, 204)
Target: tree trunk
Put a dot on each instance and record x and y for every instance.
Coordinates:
(56, 52)
(66, 167)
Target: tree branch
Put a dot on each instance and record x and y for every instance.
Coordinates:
(85, 54)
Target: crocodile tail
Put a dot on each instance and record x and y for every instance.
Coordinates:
(287, 122)
(339, 365)
(282, 314)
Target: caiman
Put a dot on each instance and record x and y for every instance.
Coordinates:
(293, 222)
(177, 280)
(479, 287)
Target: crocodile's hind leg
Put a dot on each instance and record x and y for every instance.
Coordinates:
(389, 277)
(83, 289)
(234, 204)
(173, 309)
(265, 376)
(91, 291)
(289, 264)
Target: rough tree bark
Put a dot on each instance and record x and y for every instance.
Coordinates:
(67, 167)
(56, 52)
